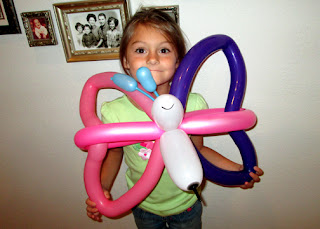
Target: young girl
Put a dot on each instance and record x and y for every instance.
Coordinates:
(79, 27)
(113, 35)
(152, 39)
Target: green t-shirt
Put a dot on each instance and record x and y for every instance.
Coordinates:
(166, 199)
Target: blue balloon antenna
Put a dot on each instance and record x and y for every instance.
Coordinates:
(130, 84)
(146, 80)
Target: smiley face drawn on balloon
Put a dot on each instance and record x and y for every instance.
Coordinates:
(167, 112)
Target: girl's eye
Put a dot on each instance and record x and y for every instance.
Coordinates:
(164, 50)
(140, 50)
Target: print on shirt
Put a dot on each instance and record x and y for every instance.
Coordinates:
(145, 149)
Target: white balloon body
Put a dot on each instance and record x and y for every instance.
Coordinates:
(179, 155)
(181, 159)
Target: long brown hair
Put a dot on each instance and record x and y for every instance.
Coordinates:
(156, 19)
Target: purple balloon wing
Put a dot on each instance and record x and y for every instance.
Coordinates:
(180, 88)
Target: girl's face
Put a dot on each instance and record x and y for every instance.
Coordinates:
(112, 25)
(87, 30)
(80, 29)
(92, 21)
(149, 48)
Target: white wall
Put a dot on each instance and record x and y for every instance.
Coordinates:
(41, 168)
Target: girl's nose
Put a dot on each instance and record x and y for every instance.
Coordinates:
(153, 58)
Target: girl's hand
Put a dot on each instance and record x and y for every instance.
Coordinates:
(255, 178)
(92, 211)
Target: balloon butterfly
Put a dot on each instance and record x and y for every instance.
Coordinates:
(186, 173)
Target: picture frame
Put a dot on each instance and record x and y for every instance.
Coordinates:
(39, 28)
(9, 23)
(172, 10)
(97, 40)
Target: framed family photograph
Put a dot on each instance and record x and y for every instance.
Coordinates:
(39, 28)
(9, 23)
(91, 30)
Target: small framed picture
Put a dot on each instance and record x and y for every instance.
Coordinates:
(8, 18)
(173, 11)
(91, 30)
(39, 28)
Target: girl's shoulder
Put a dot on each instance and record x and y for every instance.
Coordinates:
(111, 109)
(116, 103)
(121, 110)
(196, 102)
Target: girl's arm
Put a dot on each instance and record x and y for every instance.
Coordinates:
(223, 162)
(111, 167)
(109, 170)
